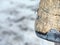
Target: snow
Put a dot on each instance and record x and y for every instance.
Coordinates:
(17, 19)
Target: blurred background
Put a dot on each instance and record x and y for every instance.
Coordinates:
(17, 23)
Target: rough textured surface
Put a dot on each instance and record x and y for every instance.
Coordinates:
(49, 16)
(17, 18)
(49, 19)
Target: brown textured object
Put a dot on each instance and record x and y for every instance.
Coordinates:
(47, 24)
(48, 16)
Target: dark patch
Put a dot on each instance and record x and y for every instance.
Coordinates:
(18, 38)
(57, 36)
(26, 43)
(45, 10)
(0, 39)
(37, 9)
(10, 25)
(57, 14)
(32, 18)
(21, 19)
(9, 33)
(37, 17)
(41, 33)
(13, 12)
(23, 27)
(11, 2)
(59, 0)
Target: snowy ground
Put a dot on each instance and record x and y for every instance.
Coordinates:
(17, 19)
